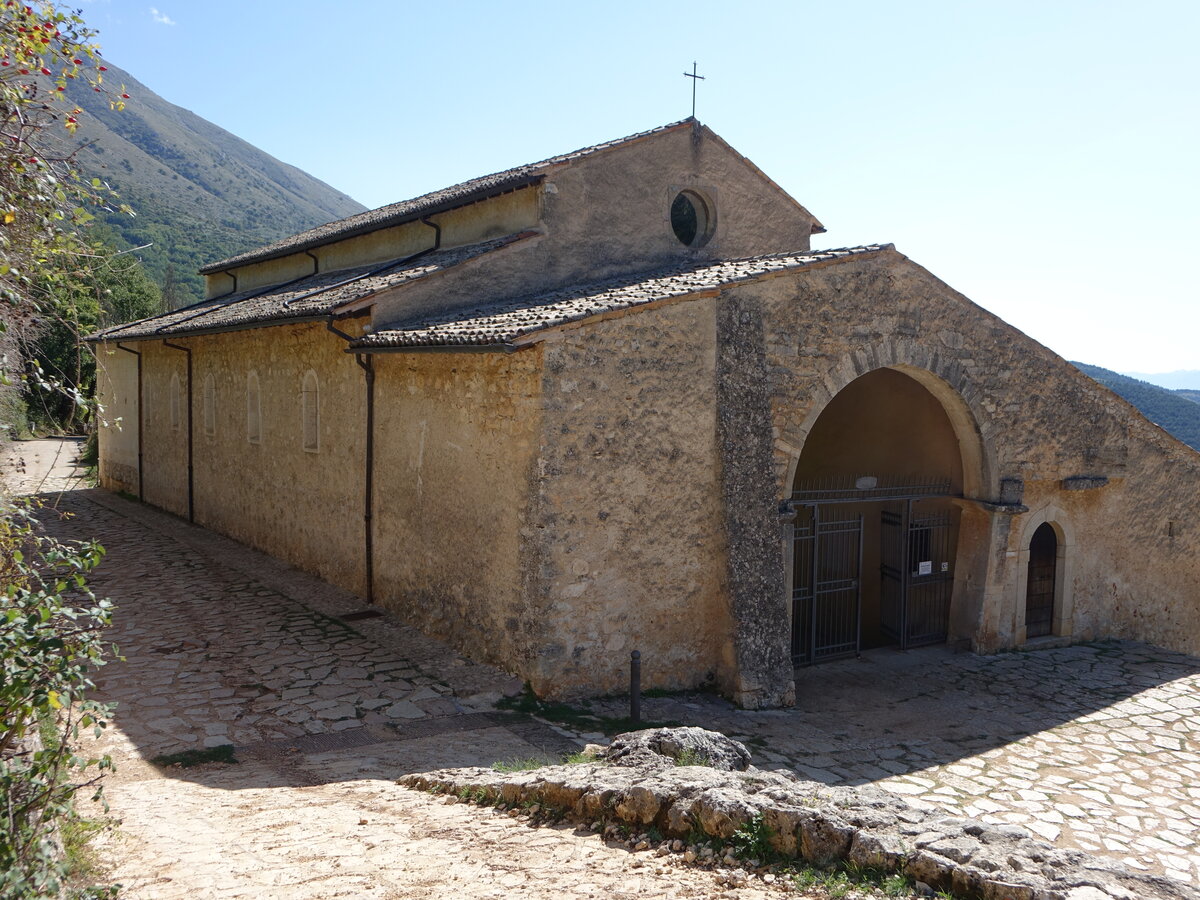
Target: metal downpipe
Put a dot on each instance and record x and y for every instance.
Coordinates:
(367, 364)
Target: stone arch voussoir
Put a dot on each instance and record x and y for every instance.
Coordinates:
(945, 378)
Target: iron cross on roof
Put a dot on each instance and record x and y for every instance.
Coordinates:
(692, 75)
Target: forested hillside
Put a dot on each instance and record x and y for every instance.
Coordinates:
(1173, 410)
(200, 193)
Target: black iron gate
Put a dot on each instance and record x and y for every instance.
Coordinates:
(826, 585)
(917, 576)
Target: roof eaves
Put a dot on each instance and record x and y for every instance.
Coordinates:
(266, 254)
(216, 329)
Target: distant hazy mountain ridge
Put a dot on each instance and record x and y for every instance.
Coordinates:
(200, 193)
(1179, 380)
(1176, 411)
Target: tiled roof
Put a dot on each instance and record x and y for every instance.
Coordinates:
(507, 322)
(426, 204)
(314, 295)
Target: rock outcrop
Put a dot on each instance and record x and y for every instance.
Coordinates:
(678, 746)
(802, 820)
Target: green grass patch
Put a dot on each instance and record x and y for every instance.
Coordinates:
(529, 763)
(752, 840)
(580, 758)
(689, 757)
(85, 869)
(525, 764)
(840, 880)
(187, 759)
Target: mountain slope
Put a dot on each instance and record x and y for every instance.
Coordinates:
(200, 193)
(1177, 414)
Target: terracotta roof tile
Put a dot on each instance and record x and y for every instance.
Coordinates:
(314, 295)
(509, 321)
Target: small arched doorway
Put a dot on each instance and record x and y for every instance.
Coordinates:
(876, 531)
(1043, 580)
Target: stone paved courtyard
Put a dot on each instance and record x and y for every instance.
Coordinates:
(1095, 747)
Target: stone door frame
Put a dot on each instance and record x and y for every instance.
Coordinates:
(1063, 623)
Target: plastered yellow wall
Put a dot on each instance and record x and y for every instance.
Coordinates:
(481, 221)
(296, 504)
(164, 465)
(456, 441)
(117, 394)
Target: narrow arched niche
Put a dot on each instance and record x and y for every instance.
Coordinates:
(253, 409)
(1040, 586)
(310, 412)
(209, 404)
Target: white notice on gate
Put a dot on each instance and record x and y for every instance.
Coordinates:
(925, 568)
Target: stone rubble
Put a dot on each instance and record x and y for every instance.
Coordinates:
(821, 825)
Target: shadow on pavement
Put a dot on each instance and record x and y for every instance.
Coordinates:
(224, 645)
(893, 713)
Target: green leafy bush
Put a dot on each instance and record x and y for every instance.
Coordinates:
(51, 642)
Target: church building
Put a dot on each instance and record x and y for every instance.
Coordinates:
(613, 400)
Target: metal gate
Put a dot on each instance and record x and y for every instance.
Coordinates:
(826, 585)
(917, 573)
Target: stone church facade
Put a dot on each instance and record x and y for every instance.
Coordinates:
(614, 401)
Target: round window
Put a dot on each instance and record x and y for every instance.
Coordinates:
(690, 219)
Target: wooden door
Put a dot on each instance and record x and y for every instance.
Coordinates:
(1039, 596)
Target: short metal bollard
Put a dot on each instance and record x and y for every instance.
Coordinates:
(635, 686)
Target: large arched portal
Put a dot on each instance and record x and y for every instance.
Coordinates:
(877, 522)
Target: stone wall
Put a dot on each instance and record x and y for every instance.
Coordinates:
(630, 554)
(300, 505)
(1027, 421)
(455, 463)
(755, 563)
(700, 809)
(608, 214)
(456, 438)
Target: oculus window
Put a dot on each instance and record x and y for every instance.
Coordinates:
(692, 218)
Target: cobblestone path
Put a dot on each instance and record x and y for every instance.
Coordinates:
(1095, 747)
(223, 645)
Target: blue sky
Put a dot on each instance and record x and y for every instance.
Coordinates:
(1039, 157)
